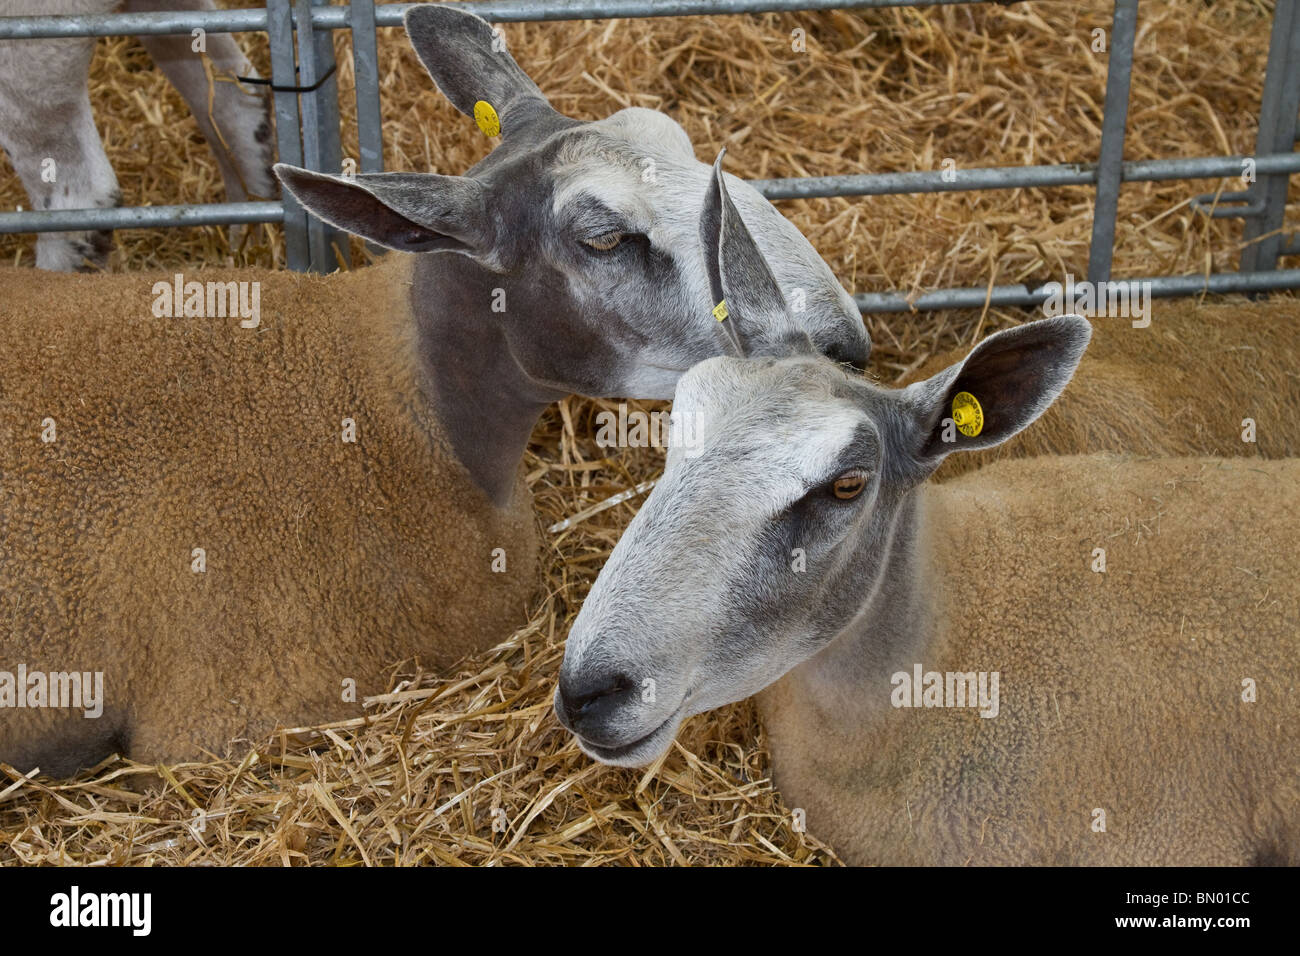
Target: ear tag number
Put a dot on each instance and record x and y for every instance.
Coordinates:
(720, 310)
(967, 414)
(486, 118)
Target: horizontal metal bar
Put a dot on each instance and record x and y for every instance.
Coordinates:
(218, 214)
(1016, 177)
(132, 24)
(1024, 296)
(1241, 204)
(876, 184)
(390, 15)
(140, 217)
(519, 11)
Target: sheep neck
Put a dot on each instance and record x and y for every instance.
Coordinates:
(484, 401)
(894, 626)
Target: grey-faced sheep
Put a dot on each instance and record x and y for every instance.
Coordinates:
(243, 522)
(1048, 661)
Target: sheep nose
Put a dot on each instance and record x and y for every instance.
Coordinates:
(586, 699)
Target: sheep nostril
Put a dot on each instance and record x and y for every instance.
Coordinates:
(619, 685)
(582, 698)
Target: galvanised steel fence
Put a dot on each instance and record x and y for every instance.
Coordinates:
(305, 97)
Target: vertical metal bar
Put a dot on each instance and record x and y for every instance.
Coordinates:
(337, 241)
(1277, 132)
(365, 59)
(365, 67)
(279, 30)
(320, 127)
(1114, 123)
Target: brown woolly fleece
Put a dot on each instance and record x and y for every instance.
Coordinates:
(325, 560)
(1120, 691)
(1182, 386)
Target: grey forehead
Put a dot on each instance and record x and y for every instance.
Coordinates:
(792, 382)
(626, 143)
(622, 152)
(803, 408)
(641, 128)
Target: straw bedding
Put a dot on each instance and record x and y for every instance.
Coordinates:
(442, 760)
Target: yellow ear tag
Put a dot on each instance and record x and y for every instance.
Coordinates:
(720, 310)
(486, 118)
(967, 414)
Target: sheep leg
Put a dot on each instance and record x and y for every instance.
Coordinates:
(47, 129)
(233, 117)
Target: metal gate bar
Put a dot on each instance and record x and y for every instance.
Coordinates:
(1265, 206)
(1114, 124)
(1015, 177)
(365, 60)
(321, 149)
(1277, 132)
(284, 75)
(1025, 296)
(799, 187)
(390, 15)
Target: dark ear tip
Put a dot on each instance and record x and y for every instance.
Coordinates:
(299, 181)
(435, 16)
(289, 174)
(1078, 327)
(724, 198)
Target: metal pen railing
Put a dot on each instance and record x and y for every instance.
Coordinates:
(306, 107)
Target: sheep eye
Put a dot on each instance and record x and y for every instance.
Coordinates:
(606, 242)
(849, 485)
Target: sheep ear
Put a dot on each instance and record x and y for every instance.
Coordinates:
(739, 278)
(412, 212)
(1012, 377)
(469, 62)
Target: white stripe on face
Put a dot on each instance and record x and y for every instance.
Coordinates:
(640, 165)
(772, 427)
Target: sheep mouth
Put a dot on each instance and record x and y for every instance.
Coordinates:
(639, 751)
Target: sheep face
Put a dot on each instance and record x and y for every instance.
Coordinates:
(642, 309)
(579, 240)
(789, 518)
(754, 550)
